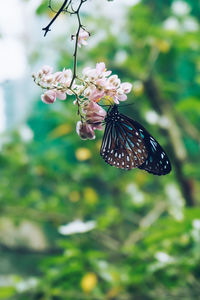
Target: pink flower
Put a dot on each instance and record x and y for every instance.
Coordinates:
(113, 82)
(126, 87)
(93, 94)
(117, 91)
(95, 115)
(96, 94)
(63, 77)
(49, 97)
(120, 97)
(60, 95)
(47, 70)
(97, 73)
(100, 67)
(85, 131)
(83, 36)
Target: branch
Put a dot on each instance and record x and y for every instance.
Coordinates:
(188, 127)
(29, 251)
(149, 219)
(34, 214)
(47, 28)
(76, 41)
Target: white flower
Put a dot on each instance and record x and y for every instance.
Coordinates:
(164, 257)
(76, 226)
(196, 224)
(180, 8)
(172, 24)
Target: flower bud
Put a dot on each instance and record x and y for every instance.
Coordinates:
(95, 114)
(85, 131)
(114, 81)
(82, 37)
(47, 70)
(60, 95)
(126, 86)
(49, 97)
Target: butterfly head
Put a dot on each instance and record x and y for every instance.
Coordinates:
(112, 114)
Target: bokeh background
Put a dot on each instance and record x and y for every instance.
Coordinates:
(72, 227)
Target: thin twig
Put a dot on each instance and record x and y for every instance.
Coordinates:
(47, 28)
(64, 8)
(76, 41)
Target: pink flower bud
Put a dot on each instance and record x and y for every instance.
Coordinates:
(83, 36)
(60, 95)
(96, 95)
(58, 76)
(126, 86)
(95, 114)
(101, 82)
(85, 131)
(97, 126)
(48, 79)
(63, 77)
(47, 70)
(49, 97)
(122, 97)
(100, 67)
(114, 81)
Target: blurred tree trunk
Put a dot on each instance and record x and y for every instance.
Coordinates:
(178, 154)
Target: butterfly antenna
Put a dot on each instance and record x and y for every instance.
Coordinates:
(124, 105)
(121, 105)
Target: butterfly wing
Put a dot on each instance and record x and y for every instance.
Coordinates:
(157, 161)
(122, 145)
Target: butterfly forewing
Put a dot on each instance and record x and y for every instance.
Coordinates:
(122, 146)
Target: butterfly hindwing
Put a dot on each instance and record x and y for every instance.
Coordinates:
(157, 161)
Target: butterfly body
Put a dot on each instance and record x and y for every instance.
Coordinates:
(126, 144)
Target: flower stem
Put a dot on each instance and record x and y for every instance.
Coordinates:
(76, 41)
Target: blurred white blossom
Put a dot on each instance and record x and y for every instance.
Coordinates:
(152, 117)
(190, 24)
(164, 257)
(180, 8)
(176, 201)
(76, 226)
(172, 24)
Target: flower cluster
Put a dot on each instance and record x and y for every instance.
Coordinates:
(56, 84)
(103, 86)
(94, 86)
(94, 116)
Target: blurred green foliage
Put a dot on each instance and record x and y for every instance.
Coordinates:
(146, 243)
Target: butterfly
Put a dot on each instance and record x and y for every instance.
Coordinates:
(126, 145)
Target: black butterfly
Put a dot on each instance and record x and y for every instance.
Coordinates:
(126, 145)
